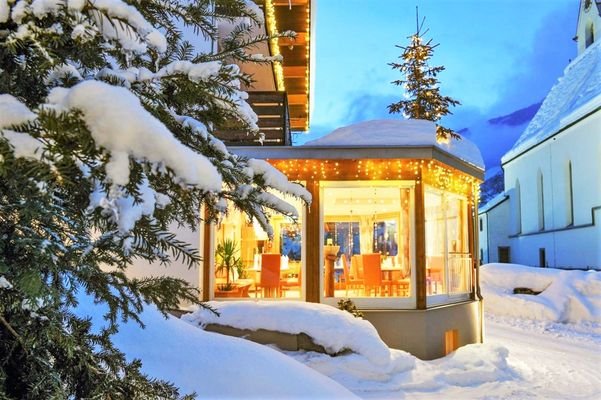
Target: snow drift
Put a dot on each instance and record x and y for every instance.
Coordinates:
(210, 364)
(329, 327)
(566, 296)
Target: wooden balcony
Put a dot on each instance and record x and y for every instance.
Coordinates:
(274, 122)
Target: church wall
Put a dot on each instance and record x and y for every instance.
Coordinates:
(575, 244)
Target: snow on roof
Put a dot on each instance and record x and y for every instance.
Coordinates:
(329, 327)
(575, 94)
(398, 133)
(498, 199)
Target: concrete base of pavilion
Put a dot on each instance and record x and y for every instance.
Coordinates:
(430, 333)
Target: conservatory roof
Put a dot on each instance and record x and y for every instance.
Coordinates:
(379, 140)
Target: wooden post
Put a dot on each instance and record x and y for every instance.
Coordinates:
(471, 234)
(330, 254)
(313, 245)
(205, 294)
(420, 244)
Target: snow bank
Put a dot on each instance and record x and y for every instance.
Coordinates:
(566, 296)
(398, 133)
(213, 365)
(470, 366)
(575, 94)
(329, 327)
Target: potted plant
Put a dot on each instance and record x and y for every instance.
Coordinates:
(227, 260)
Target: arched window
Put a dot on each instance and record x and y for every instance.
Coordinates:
(541, 201)
(589, 35)
(518, 207)
(569, 196)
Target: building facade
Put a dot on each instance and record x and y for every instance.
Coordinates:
(553, 172)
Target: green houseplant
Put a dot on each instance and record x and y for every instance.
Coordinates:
(227, 260)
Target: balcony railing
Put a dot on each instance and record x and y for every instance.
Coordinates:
(274, 122)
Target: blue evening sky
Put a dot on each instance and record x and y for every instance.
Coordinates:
(500, 55)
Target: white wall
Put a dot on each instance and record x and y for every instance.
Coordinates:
(483, 238)
(575, 245)
(495, 232)
(177, 269)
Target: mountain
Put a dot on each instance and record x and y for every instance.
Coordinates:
(494, 137)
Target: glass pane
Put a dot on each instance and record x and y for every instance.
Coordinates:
(459, 258)
(249, 265)
(435, 242)
(365, 252)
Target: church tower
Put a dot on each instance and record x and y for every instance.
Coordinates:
(588, 30)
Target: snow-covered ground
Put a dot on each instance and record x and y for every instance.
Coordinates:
(528, 353)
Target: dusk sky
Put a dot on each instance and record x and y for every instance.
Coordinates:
(499, 55)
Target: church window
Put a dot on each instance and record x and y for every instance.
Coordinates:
(589, 35)
(569, 196)
(518, 208)
(541, 201)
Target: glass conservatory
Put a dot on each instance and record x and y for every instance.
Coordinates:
(391, 226)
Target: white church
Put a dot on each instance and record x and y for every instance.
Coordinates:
(550, 213)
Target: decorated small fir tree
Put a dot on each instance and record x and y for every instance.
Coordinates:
(421, 85)
(106, 116)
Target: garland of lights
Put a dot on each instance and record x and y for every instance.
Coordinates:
(272, 31)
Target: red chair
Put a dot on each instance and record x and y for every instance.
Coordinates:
(372, 273)
(270, 274)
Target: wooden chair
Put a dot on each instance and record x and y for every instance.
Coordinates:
(372, 273)
(351, 279)
(292, 283)
(270, 274)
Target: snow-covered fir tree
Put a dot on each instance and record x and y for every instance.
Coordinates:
(421, 86)
(106, 116)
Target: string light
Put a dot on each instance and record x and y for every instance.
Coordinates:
(272, 31)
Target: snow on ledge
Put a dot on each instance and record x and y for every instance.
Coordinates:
(329, 327)
(399, 133)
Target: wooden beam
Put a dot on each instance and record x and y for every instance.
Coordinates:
(471, 231)
(290, 2)
(312, 230)
(205, 294)
(298, 122)
(420, 245)
(295, 72)
(298, 98)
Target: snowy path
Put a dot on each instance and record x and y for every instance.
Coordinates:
(555, 361)
(546, 361)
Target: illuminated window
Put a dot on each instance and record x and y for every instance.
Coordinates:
(448, 260)
(249, 265)
(368, 230)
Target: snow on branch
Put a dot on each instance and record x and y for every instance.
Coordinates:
(119, 123)
(14, 113)
(115, 19)
(275, 179)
